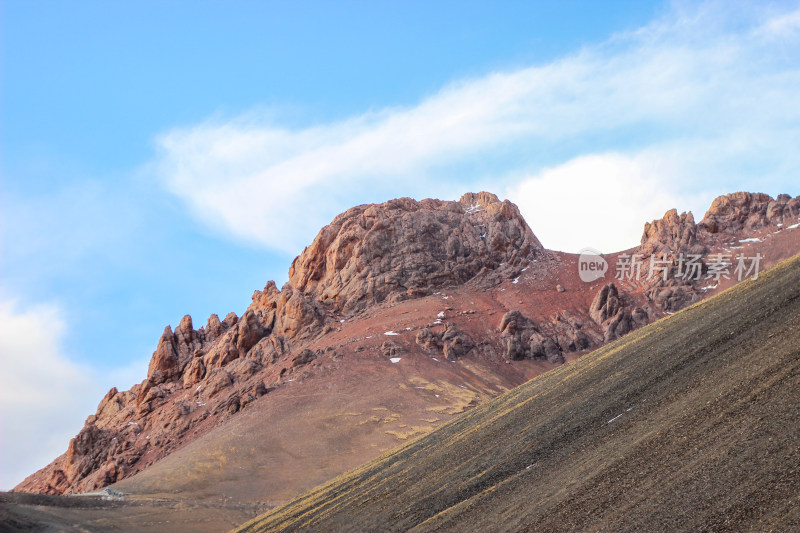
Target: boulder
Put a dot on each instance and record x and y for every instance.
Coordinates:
(605, 304)
(391, 349)
(428, 340)
(303, 358)
(455, 343)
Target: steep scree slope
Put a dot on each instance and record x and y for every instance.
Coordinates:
(691, 423)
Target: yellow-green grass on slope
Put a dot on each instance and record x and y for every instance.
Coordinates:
(690, 423)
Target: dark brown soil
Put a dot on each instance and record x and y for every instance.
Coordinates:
(689, 424)
(44, 513)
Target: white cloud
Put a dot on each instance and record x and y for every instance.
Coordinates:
(577, 203)
(44, 396)
(711, 90)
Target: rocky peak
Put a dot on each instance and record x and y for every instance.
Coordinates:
(164, 363)
(404, 248)
(734, 214)
(672, 233)
(479, 199)
(743, 211)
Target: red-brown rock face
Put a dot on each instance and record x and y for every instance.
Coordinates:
(748, 211)
(673, 232)
(405, 248)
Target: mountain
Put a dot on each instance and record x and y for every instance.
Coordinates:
(689, 424)
(398, 318)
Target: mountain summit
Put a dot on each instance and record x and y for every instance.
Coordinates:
(405, 248)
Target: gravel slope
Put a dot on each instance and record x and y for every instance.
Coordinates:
(691, 423)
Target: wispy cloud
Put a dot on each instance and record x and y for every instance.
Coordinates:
(44, 395)
(707, 93)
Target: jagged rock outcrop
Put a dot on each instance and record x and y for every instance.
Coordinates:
(611, 313)
(605, 304)
(744, 211)
(569, 334)
(391, 349)
(672, 295)
(298, 316)
(455, 343)
(243, 368)
(218, 380)
(210, 362)
(428, 340)
(673, 233)
(452, 342)
(677, 238)
(187, 341)
(522, 339)
(407, 248)
(214, 328)
(164, 363)
(250, 331)
(223, 351)
(666, 246)
(268, 350)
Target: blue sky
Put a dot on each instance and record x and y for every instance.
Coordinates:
(164, 158)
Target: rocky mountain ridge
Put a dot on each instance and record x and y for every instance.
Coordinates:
(404, 248)
(371, 259)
